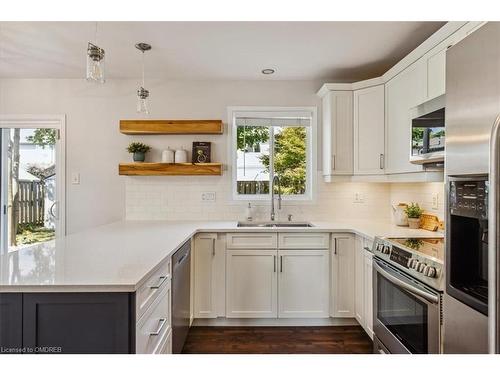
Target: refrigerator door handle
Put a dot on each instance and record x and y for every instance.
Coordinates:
(493, 241)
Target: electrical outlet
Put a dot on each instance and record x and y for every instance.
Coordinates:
(75, 178)
(208, 196)
(435, 201)
(359, 198)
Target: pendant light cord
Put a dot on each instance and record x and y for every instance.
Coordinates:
(142, 68)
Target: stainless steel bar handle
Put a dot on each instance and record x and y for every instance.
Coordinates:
(335, 246)
(162, 323)
(213, 246)
(281, 263)
(274, 262)
(493, 241)
(395, 280)
(382, 161)
(158, 286)
(333, 162)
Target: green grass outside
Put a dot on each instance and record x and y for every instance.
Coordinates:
(30, 234)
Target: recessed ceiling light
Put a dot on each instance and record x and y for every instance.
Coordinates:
(268, 71)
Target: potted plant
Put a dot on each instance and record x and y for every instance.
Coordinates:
(413, 211)
(139, 150)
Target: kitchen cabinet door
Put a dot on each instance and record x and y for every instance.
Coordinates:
(405, 91)
(303, 283)
(359, 281)
(251, 284)
(436, 72)
(369, 139)
(205, 275)
(368, 292)
(337, 134)
(342, 255)
(11, 321)
(79, 323)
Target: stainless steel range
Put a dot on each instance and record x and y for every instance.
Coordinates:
(408, 286)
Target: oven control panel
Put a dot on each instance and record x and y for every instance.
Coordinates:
(418, 266)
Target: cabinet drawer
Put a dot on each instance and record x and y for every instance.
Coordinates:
(165, 345)
(155, 324)
(252, 240)
(152, 288)
(303, 240)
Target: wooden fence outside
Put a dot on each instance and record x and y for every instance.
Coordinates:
(253, 187)
(31, 202)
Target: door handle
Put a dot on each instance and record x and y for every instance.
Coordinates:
(281, 263)
(335, 246)
(51, 210)
(382, 161)
(334, 159)
(162, 322)
(162, 280)
(274, 262)
(213, 247)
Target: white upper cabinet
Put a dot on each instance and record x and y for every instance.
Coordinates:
(337, 134)
(405, 91)
(436, 73)
(369, 140)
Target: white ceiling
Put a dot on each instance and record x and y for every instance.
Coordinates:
(332, 51)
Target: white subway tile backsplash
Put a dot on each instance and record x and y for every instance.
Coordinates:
(179, 198)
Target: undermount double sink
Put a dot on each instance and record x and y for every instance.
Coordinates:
(245, 224)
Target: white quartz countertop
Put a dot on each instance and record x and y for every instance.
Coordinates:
(118, 257)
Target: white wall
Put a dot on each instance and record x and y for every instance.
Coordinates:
(95, 147)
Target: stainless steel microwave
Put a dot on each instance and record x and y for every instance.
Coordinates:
(428, 132)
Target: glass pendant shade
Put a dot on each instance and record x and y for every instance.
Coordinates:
(142, 101)
(95, 63)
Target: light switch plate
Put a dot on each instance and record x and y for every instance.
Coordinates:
(208, 196)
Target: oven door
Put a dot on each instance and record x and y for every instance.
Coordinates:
(406, 314)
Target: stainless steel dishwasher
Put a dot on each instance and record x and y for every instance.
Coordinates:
(181, 287)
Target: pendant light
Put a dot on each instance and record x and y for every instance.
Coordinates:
(142, 93)
(95, 61)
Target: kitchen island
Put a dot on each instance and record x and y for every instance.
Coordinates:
(107, 290)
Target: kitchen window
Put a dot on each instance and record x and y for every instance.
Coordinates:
(268, 142)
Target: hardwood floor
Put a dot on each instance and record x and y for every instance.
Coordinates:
(278, 340)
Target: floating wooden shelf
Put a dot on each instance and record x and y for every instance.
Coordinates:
(167, 169)
(171, 126)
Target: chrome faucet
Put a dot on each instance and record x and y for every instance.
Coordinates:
(275, 179)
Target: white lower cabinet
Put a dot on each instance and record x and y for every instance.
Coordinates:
(368, 292)
(364, 285)
(359, 261)
(342, 276)
(155, 325)
(251, 284)
(303, 283)
(208, 258)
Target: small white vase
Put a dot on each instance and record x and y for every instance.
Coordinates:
(167, 156)
(181, 156)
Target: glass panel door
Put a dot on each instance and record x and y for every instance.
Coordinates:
(402, 314)
(29, 186)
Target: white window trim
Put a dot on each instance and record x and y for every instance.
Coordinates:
(44, 121)
(311, 156)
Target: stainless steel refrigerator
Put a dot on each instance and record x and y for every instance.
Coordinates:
(471, 301)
